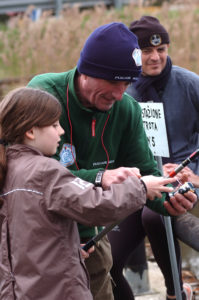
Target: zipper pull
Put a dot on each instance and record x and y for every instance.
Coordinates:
(93, 127)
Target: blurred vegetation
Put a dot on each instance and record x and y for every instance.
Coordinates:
(53, 44)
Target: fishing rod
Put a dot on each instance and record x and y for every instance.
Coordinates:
(189, 159)
(167, 221)
(93, 241)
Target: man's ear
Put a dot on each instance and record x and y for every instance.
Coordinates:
(30, 134)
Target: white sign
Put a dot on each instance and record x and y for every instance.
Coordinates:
(155, 128)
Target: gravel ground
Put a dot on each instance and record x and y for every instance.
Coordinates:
(157, 289)
(150, 285)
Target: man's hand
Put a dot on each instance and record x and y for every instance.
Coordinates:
(118, 176)
(186, 174)
(179, 204)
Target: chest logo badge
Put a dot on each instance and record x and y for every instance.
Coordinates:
(67, 155)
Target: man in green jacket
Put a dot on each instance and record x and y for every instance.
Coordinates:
(104, 136)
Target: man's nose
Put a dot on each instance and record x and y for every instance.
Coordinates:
(155, 55)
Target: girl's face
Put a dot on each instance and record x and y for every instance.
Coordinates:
(46, 139)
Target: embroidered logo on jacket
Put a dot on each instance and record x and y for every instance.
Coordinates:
(66, 155)
(81, 183)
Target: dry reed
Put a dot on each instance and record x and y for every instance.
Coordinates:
(53, 44)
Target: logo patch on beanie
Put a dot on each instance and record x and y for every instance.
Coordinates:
(137, 57)
(155, 40)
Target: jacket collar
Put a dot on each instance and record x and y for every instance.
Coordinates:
(18, 149)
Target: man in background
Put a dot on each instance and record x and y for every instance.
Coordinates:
(178, 90)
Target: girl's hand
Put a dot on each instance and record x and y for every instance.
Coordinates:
(156, 185)
(85, 254)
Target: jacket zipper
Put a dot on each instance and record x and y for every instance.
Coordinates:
(93, 127)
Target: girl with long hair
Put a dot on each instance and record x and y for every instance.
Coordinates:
(41, 201)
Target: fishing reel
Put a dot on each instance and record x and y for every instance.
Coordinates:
(186, 187)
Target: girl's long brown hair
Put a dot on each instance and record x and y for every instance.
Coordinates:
(20, 110)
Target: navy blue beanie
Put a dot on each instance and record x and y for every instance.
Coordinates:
(111, 52)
